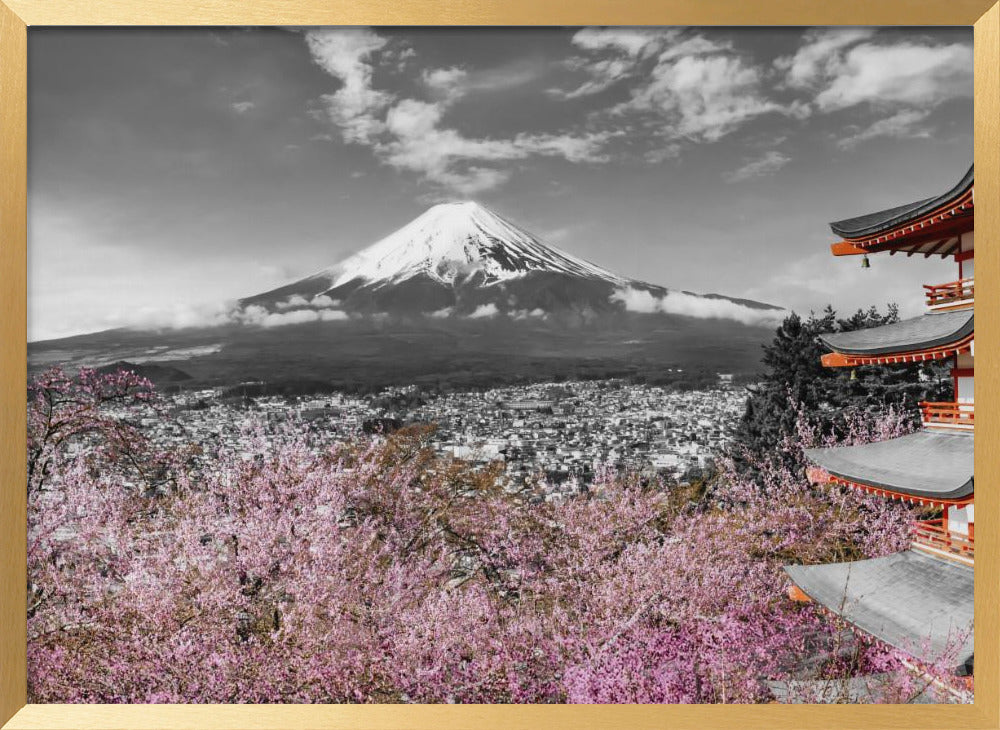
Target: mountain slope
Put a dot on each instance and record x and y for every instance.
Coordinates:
(459, 296)
(458, 258)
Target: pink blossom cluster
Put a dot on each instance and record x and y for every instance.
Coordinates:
(379, 572)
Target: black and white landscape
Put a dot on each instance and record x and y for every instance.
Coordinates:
(480, 365)
(459, 294)
(322, 209)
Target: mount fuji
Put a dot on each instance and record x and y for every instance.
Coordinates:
(460, 296)
(462, 258)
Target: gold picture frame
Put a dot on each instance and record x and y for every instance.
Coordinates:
(17, 15)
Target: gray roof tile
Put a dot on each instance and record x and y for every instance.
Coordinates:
(884, 220)
(929, 330)
(933, 464)
(912, 601)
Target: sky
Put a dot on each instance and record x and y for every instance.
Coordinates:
(172, 171)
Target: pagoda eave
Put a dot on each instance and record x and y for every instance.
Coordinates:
(842, 360)
(938, 238)
(901, 496)
(931, 336)
(847, 248)
(912, 601)
(928, 466)
(910, 219)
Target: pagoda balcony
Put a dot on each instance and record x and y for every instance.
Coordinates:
(930, 536)
(958, 416)
(953, 295)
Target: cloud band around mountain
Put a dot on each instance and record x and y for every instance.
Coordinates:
(688, 305)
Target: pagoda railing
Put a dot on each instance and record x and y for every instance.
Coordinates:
(932, 535)
(961, 415)
(950, 295)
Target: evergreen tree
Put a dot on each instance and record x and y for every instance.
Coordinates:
(795, 379)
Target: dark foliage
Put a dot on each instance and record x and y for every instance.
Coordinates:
(795, 378)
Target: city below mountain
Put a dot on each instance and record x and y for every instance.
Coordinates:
(459, 295)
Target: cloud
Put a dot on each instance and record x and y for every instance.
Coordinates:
(143, 317)
(633, 42)
(242, 107)
(324, 302)
(667, 151)
(175, 316)
(694, 46)
(344, 54)
(906, 123)
(484, 310)
(449, 159)
(293, 301)
(453, 83)
(398, 55)
(441, 313)
(409, 134)
(693, 306)
(704, 98)
(628, 48)
(297, 301)
(846, 67)
(446, 82)
(603, 74)
(575, 148)
(230, 313)
(297, 317)
(687, 85)
(257, 316)
(639, 300)
(763, 166)
(819, 55)
(905, 73)
(412, 118)
(454, 161)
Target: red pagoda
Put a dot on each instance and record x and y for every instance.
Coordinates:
(920, 600)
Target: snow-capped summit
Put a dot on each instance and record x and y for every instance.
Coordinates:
(455, 257)
(449, 242)
(464, 259)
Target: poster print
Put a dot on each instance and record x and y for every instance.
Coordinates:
(452, 365)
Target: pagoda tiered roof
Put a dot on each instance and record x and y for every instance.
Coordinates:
(931, 467)
(931, 226)
(911, 601)
(932, 336)
(920, 600)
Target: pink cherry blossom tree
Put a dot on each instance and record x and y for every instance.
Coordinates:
(277, 571)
